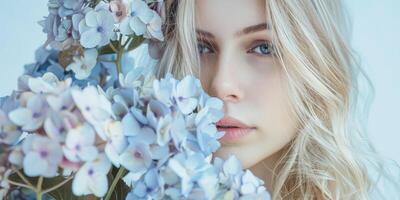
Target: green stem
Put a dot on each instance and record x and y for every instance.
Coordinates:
(20, 185)
(118, 61)
(110, 61)
(113, 47)
(119, 56)
(127, 42)
(58, 185)
(39, 188)
(119, 175)
(20, 175)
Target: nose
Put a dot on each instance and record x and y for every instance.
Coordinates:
(225, 81)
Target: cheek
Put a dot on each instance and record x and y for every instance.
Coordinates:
(276, 123)
(207, 71)
(267, 105)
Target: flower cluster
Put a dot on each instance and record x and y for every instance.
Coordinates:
(94, 25)
(60, 132)
(78, 31)
(164, 137)
(91, 69)
(85, 110)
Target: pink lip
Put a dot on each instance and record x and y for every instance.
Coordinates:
(233, 128)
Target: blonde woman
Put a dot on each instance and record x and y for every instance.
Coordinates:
(289, 82)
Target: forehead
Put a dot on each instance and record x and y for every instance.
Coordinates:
(229, 16)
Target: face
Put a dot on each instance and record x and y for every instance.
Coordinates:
(237, 66)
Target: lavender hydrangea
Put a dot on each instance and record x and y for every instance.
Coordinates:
(85, 109)
(60, 24)
(96, 28)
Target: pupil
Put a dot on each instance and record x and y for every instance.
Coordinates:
(264, 48)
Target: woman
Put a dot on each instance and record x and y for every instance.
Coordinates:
(288, 79)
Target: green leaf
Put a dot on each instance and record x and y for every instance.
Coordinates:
(136, 41)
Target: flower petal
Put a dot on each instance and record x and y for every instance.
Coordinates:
(91, 19)
(137, 26)
(98, 185)
(90, 38)
(20, 116)
(125, 27)
(34, 165)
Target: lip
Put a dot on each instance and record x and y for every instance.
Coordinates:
(233, 128)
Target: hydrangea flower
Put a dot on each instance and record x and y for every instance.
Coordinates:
(139, 15)
(186, 94)
(155, 111)
(32, 116)
(116, 142)
(154, 28)
(61, 29)
(16, 156)
(188, 168)
(82, 65)
(136, 157)
(242, 185)
(118, 9)
(62, 102)
(55, 126)
(96, 28)
(133, 123)
(162, 131)
(251, 186)
(9, 132)
(163, 89)
(79, 144)
(69, 7)
(205, 121)
(169, 183)
(142, 20)
(42, 156)
(148, 187)
(95, 107)
(91, 178)
(48, 83)
(171, 128)
(46, 61)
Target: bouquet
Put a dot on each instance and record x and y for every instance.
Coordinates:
(88, 123)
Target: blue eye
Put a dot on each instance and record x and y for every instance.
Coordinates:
(203, 49)
(263, 49)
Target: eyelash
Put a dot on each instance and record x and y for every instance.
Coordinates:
(252, 50)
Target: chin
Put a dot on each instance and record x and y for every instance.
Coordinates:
(247, 159)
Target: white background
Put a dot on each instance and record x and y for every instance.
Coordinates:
(376, 36)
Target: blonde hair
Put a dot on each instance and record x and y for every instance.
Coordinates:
(329, 157)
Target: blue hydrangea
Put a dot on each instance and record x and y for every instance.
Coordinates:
(31, 116)
(82, 118)
(42, 156)
(139, 15)
(61, 24)
(82, 65)
(91, 178)
(146, 188)
(9, 132)
(69, 7)
(97, 27)
(46, 61)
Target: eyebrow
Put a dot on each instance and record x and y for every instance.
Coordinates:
(247, 30)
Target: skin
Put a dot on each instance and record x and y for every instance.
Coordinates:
(238, 67)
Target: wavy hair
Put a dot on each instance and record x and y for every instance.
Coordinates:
(331, 156)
